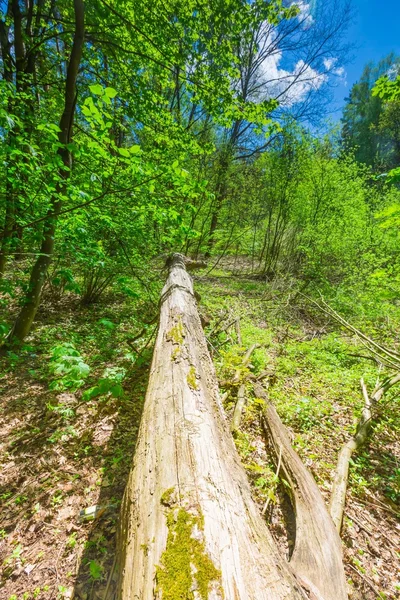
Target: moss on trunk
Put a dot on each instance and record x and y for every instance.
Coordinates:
(185, 567)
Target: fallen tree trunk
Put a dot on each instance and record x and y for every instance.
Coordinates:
(383, 356)
(339, 487)
(240, 404)
(189, 528)
(317, 555)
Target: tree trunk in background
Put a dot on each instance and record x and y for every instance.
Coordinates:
(189, 527)
(9, 214)
(220, 196)
(27, 314)
(221, 190)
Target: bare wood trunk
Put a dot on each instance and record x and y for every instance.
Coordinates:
(317, 556)
(339, 487)
(189, 528)
(240, 404)
(238, 332)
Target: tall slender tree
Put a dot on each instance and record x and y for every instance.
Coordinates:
(27, 314)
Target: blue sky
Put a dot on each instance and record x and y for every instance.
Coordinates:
(376, 32)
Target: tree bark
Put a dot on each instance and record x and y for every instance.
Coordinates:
(339, 487)
(27, 314)
(317, 555)
(189, 528)
(9, 216)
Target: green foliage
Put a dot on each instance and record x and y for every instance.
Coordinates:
(159, 94)
(387, 89)
(15, 555)
(363, 112)
(107, 324)
(109, 384)
(95, 570)
(67, 367)
(71, 540)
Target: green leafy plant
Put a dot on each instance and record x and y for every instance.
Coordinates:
(62, 592)
(68, 368)
(71, 540)
(57, 499)
(95, 570)
(15, 555)
(107, 324)
(62, 433)
(109, 384)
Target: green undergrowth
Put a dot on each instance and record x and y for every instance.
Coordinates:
(72, 402)
(91, 351)
(312, 370)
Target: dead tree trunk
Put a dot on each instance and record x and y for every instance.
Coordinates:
(317, 555)
(189, 528)
(339, 487)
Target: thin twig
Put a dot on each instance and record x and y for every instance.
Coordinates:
(109, 578)
(365, 579)
(391, 357)
(367, 530)
(238, 332)
(379, 506)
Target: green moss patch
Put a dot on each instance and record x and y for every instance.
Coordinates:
(191, 378)
(177, 333)
(167, 498)
(185, 566)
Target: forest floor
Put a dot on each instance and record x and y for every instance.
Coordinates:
(62, 452)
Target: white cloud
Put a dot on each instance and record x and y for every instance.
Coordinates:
(305, 15)
(340, 71)
(303, 79)
(290, 86)
(329, 64)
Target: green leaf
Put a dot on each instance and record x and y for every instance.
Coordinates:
(96, 89)
(107, 323)
(110, 92)
(124, 152)
(135, 149)
(96, 570)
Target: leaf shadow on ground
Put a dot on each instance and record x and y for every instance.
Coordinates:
(52, 467)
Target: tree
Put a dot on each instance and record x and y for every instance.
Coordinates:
(148, 55)
(312, 43)
(362, 114)
(388, 90)
(25, 318)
